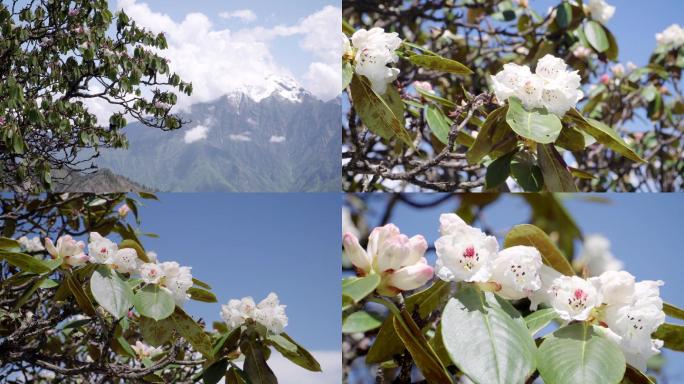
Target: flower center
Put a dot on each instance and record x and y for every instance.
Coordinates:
(578, 300)
(470, 258)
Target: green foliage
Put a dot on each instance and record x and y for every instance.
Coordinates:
(111, 291)
(360, 321)
(154, 302)
(537, 125)
(358, 288)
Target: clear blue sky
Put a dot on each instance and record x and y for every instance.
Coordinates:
(645, 231)
(252, 244)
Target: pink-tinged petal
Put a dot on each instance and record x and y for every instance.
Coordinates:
(410, 277)
(355, 253)
(50, 246)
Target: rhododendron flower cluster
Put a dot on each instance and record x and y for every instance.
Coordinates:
(146, 351)
(374, 50)
(68, 249)
(672, 36)
(269, 312)
(465, 253)
(596, 256)
(600, 10)
(552, 86)
(398, 259)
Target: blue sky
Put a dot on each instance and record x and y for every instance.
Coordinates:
(644, 229)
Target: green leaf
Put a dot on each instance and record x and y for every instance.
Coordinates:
(603, 134)
(563, 15)
(438, 63)
(11, 245)
(528, 234)
(613, 51)
(347, 73)
(155, 332)
(673, 311)
(435, 98)
(80, 296)
(387, 343)
(202, 295)
(111, 292)
(596, 36)
(255, 362)
(215, 372)
(557, 176)
(376, 114)
(498, 171)
(200, 283)
(493, 138)
(228, 341)
(423, 355)
(536, 125)
(358, 288)
(192, 332)
(577, 354)
(300, 356)
(672, 335)
(25, 262)
(571, 139)
(487, 338)
(537, 320)
(154, 302)
(439, 124)
(635, 376)
(360, 321)
(235, 376)
(526, 173)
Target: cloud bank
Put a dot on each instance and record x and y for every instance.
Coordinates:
(277, 139)
(195, 134)
(245, 15)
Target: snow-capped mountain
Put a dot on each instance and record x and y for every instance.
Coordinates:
(272, 137)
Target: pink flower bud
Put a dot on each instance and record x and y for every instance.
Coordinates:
(411, 277)
(605, 79)
(123, 210)
(355, 253)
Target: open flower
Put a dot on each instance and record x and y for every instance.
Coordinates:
(617, 287)
(101, 249)
(177, 279)
(596, 256)
(125, 260)
(31, 245)
(671, 36)
(236, 312)
(146, 351)
(68, 249)
(151, 273)
(464, 253)
(271, 314)
(374, 50)
(516, 269)
(574, 298)
(398, 259)
(600, 10)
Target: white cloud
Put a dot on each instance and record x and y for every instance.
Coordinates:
(195, 134)
(245, 15)
(220, 60)
(277, 139)
(240, 137)
(289, 373)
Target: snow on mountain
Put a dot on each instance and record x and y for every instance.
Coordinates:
(284, 86)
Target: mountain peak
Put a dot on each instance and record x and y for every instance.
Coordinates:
(283, 86)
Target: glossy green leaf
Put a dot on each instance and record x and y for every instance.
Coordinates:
(357, 288)
(215, 372)
(154, 302)
(155, 332)
(10, 245)
(577, 354)
(557, 176)
(360, 321)
(673, 311)
(111, 292)
(438, 63)
(300, 356)
(672, 335)
(635, 376)
(563, 15)
(498, 171)
(235, 376)
(192, 332)
(493, 136)
(603, 134)
(527, 234)
(25, 262)
(439, 124)
(199, 294)
(422, 353)
(537, 125)
(487, 338)
(376, 114)
(537, 320)
(81, 298)
(255, 366)
(526, 172)
(596, 36)
(200, 283)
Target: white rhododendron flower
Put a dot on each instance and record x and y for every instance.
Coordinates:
(125, 260)
(581, 52)
(543, 295)
(574, 298)
(464, 253)
(552, 86)
(146, 351)
(348, 224)
(596, 256)
(671, 36)
(516, 269)
(632, 324)
(398, 259)
(269, 312)
(68, 249)
(617, 287)
(151, 273)
(375, 49)
(600, 10)
(177, 279)
(152, 256)
(346, 45)
(31, 245)
(101, 249)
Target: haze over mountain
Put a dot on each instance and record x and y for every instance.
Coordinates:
(276, 137)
